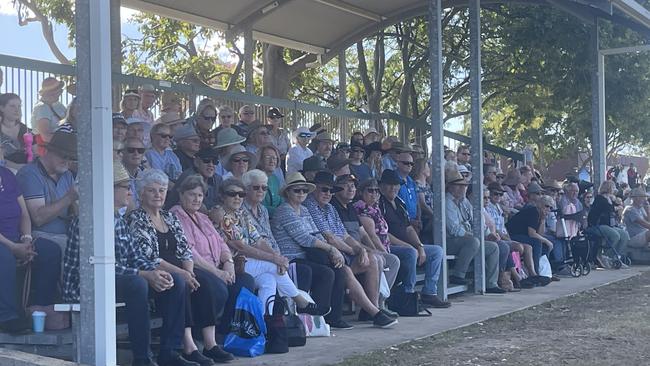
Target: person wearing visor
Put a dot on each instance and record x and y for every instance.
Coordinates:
(299, 152)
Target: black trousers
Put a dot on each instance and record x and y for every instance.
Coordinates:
(242, 280)
(207, 302)
(327, 284)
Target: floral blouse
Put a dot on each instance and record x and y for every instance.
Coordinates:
(145, 237)
(373, 212)
(236, 225)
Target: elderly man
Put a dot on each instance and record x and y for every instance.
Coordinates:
(463, 156)
(636, 218)
(339, 165)
(408, 189)
(246, 118)
(357, 258)
(188, 144)
(49, 189)
(324, 145)
(405, 244)
(389, 161)
(160, 155)
(204, 165)
(299, 152)
(489, 174)
(342, 202)
(135, 275)
(460, 240)
(132, 159)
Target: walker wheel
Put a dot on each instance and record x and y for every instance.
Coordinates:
(586, 269)
(576, 270)
(616, 264)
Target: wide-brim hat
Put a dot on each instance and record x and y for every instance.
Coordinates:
(399, 146)
(512, 177)
(389, 176)
(229, 136)
(51, 84)
(325, 136)
(239, 150)
(326, 179)
(495, 187)
(553, 185)
(296, 179)
(63, 143)
(171, 119)
(336, 162)
(639, 192)
(119, 173)
(453, 177)
(533, 187)
(185, 132)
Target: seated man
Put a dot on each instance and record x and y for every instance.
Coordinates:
(134, 275)
(133, 161)
(160, 155)
(188, 144)
(635, 218)
(460, 240)
(404, 243)
(408, 190)
(356, 256)
(49, 188)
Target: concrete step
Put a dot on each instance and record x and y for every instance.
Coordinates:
(640, 255)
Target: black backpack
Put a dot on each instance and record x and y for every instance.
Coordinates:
(405, 303)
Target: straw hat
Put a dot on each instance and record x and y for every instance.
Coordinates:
(50, 85)
(239, 150)
(228, 136)
(453, 177)
(63, 143)
(119, 173)
(553, 184)
(639, 192)
(296, 179)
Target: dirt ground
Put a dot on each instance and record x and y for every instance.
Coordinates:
(605, 326)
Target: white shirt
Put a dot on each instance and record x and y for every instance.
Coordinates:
(296, 155)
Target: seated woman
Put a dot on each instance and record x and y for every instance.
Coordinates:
(527, 226)
(300, 240)
(238, 162)
(266, 264)
(160, 236)
(13, 134)
(210, 253)
(269, 158)
(16, 250)
(602, 218)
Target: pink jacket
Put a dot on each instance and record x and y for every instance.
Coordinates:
(203, 239)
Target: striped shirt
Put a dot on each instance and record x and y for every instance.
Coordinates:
(293, 231)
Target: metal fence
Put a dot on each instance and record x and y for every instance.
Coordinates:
(24, 76)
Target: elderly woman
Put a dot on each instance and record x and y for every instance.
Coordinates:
(130, 103)
(12, 131)
(258, 136)
(17, 249)
(269, 158)
(300, 240)
(161, 238)
(238, 162)
(265, 263)
(602, 218)
(203, 120)
(211, 254)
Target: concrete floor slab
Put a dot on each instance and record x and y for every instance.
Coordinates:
(466, 310)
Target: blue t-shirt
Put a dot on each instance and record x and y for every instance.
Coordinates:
(10, 212)
(36, 183)
(167, 162)
(408, 193)
(362, 171)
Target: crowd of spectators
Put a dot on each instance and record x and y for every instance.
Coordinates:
(206, 208)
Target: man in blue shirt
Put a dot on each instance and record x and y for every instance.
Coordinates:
(407, 191)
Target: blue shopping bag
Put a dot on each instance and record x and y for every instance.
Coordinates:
(247, 336)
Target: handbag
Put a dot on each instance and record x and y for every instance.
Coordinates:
(276, 331)
(406, 303)
(296, 333)
(247, 336)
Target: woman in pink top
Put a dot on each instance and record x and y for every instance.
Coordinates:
(210, 253)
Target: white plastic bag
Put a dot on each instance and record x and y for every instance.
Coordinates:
(545, 267)
(315, 325)
(384, 290)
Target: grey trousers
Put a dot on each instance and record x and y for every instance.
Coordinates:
(465, 248)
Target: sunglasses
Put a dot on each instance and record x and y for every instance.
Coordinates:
(500, 176)
(300, 190)
(233, 194)
(260, 188)
(132, 150)
(326, 190)
(409, 163)
(208, 160)
(304, 135)
(357, 150)
(547, 206)
(165, 136)
(372, 190)
(225, 116)
(209, 118)
(240, 160)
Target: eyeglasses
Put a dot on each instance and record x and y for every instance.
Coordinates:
(241, 160)
(270, 157)
(326, 190)
(165, 136)
(248, 113)
(372, 190)
(357, 150)
(209, 118)
(208, 160)
(132, 150)
(233, 194)
(300, 190)
(225, 116)
(409, 163)
(260, 188)
(500, 176)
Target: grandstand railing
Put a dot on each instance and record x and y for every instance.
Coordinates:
(23, 77)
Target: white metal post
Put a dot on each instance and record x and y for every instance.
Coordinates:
(599, 137)
(96, 223)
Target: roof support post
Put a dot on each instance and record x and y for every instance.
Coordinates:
(343, 94)
(116, 50)
(95, 175)
(437, 150)
(598, 132)
(249, 48)
(477, 141)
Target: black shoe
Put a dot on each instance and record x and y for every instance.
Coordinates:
(340, 324)
(197, 357)
(217, 354)
(434, 301)
(495, 290)
(382, 320)
(175, 359)
(16, 326)
(364, 316)
(389, 313)
(311, 309)
(455, 280)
